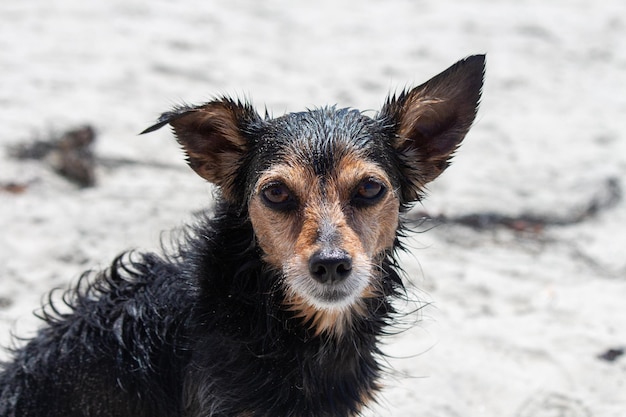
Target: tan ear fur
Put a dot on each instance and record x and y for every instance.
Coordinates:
(212, 136)
(431, 120)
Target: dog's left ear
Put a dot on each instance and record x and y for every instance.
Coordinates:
(431, 120)
(213, 136)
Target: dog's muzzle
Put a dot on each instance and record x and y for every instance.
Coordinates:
(330, 266)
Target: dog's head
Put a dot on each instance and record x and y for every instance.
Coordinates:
(324, 188)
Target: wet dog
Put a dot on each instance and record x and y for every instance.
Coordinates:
(274, 305)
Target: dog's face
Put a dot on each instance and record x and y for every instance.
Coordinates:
(325, 209)
(324, 188)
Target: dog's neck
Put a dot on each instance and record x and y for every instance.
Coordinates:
(305, 370)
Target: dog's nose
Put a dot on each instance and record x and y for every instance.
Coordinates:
(330, 266)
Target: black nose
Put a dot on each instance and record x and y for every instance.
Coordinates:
(330, 266)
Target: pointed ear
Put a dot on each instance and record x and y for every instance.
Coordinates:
(431, 120)
(213, 136)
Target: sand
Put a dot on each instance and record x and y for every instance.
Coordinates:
(513, 324)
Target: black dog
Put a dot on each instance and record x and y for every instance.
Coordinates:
(273, 306)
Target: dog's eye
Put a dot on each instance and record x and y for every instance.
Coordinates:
(369, 192)
(369, 189)
(278, 196)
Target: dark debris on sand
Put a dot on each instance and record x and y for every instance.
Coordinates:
(71, 155)
(608, 196)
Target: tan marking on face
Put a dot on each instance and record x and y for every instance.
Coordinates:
(376, 226)
(325, 216)
(276, 231)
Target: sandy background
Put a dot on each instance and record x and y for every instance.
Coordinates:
(516, 321)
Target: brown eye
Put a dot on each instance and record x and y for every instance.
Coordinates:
(278, 196)
(368, 193)
(369, 189)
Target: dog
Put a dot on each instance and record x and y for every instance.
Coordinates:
(275, 304)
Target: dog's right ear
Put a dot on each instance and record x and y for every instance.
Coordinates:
(429, 122)
(213, 137)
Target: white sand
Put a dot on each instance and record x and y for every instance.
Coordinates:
(516, 322)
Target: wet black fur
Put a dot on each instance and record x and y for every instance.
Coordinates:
(202, 331)
(196, 334)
